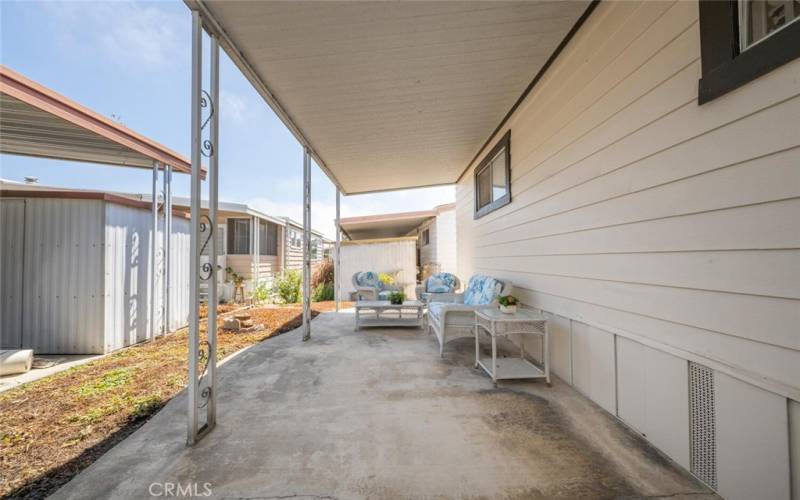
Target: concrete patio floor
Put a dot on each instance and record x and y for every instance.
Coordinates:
(377, 414)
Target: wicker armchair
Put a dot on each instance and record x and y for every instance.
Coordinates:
(455, 318)
(440, 286)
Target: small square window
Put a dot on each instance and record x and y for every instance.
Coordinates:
(759, 19)
(743, 40)
(493, 178)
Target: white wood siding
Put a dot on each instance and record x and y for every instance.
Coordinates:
(427, 253)
(446, 241)
(653, 231)
(636, 210)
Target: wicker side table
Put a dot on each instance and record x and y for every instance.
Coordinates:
(498, 324)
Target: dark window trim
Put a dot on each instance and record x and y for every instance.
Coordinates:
(504, 142)
(725, 67)
(231, 222)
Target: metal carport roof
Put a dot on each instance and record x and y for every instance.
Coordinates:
(36, 121)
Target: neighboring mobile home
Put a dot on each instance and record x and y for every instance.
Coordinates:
(76, 270)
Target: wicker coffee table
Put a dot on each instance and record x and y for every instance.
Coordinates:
(382, 313)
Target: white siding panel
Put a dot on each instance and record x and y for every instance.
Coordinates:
(12, 250)
(593, 364)
(794, 446)
(62, 301)
(560, 331)
(653, 396)
(446, 241)
(752, 441)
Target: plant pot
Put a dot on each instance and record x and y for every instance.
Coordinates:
(508, 309)
(396, 302)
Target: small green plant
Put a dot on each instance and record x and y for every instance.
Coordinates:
(508, 300)
(397, 298)
(323, 291)
(286, 287)
(386, 278)
(261, 293)
(110, 380)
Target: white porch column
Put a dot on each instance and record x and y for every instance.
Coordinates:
(306, 245)
(167, 237)
(337, 277)
(194, 257)
(153, 253)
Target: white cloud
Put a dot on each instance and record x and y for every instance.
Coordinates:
(233, 106)
(126, 32)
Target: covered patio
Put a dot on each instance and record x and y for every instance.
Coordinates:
(376, 414)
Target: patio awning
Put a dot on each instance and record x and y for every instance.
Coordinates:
(36, 121)
(392, 95)
(384, 225)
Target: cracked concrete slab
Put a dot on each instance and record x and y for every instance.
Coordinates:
(377, 414)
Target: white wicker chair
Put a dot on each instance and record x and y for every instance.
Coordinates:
(452, 319)
(369, 287)
(425, 295)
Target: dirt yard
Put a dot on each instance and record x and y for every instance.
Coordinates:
(53, 428)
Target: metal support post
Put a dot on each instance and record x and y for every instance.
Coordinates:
(213, 202)
(153, 252)
(194, 232)
(167, 171)
(306, 244)
(337, 277)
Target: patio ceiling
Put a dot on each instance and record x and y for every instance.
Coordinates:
(36, 121)
(391, 95)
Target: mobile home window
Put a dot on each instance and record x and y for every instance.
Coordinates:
(426, 237)
(267, 238)
(493, 178)
(239, 236)
(314, 248)
(742, 40)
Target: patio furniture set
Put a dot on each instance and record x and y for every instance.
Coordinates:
(450, 315)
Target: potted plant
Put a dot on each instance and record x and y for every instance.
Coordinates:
(508, 304)
(397, 298)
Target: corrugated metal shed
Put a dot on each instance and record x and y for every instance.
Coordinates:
(83, 274)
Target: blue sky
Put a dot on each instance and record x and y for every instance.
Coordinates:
(130, 61)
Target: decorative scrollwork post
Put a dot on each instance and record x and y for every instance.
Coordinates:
(203, 352)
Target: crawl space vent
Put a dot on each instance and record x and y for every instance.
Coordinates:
(702, 424)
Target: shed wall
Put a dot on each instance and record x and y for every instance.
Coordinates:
(383, 257)
(62, 305)
(128, 268)
(12, 247)
(637, 213)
